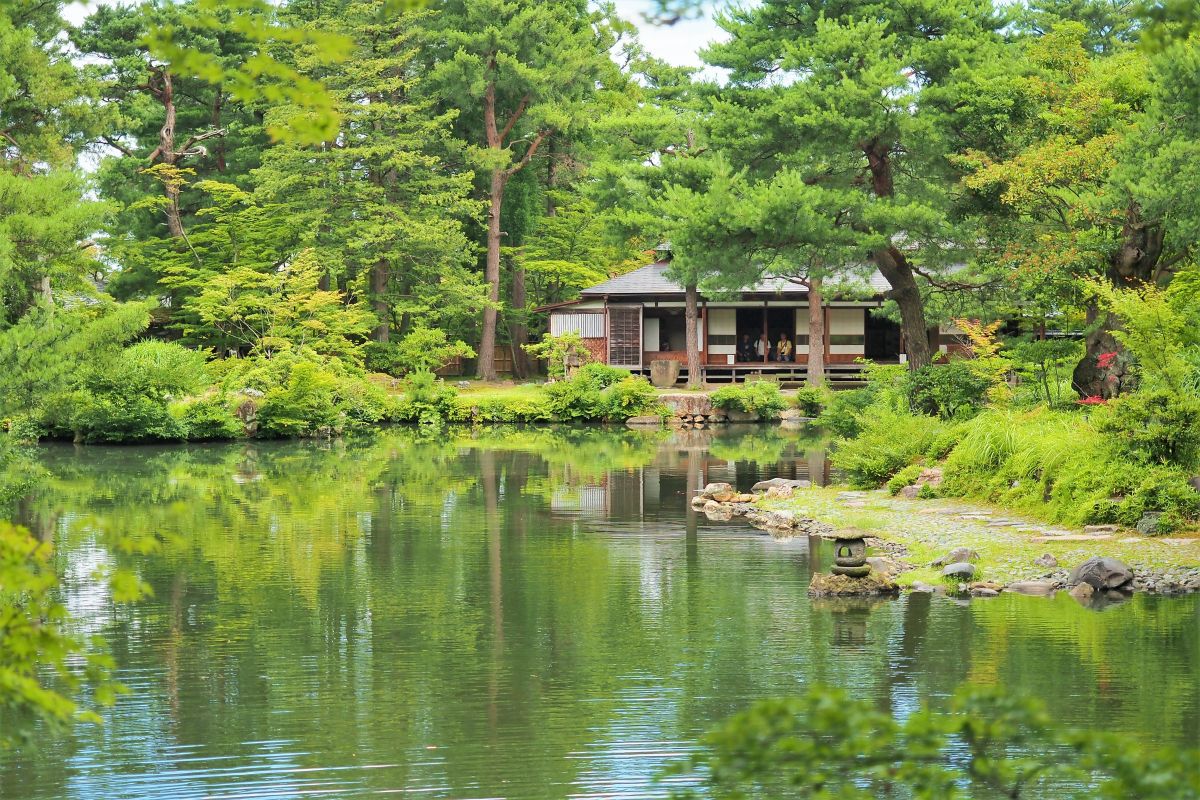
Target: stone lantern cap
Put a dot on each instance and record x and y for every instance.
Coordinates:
(849, 534)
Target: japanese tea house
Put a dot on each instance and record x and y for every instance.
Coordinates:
(633, 319)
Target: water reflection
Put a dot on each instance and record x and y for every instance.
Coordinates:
(508, 613)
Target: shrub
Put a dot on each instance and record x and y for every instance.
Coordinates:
(583, 395)
(25, 429)
(754, 397)
(421, 349)
(152, 369)
(304, 407)
(905, 477)
(427, 400)
(601, 375)
(1059, 464)
(514, 407)
(559, 352)
(630, 397)
(98, 418)
(1153, 427)
(207, 418)
(952, 390)
(888, 442)
(811, 400)
(363, 403)
(843, 413)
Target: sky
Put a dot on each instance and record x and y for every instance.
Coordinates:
(677, 44)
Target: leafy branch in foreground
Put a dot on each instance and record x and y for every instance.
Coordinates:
(987, 744)
(42, 663)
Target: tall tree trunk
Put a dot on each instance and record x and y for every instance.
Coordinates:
(491, 275)
(894, 267)
(496, 137)
(816, 333)
(383, 312)
(896, 271)
(1136, 262)
(691, 319)
(518, 331)
(167, 154)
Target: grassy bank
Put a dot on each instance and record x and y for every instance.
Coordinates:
(1007, 544)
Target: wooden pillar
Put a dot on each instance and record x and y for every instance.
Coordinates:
(766, 333)
(704, 328)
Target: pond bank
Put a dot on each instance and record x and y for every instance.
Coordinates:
(917, 539)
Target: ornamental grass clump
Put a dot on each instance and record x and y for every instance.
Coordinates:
(1062, 465)
(888, 441)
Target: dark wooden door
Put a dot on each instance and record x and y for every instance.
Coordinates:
(625, 336)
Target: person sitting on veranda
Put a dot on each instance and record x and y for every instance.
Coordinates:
(745, 351)
(783, 350)
(763, 349)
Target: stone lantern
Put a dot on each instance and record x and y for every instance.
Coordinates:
(850, 558)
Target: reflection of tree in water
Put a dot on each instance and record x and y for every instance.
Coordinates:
(368, 599)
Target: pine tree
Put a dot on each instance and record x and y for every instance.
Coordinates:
(384, 202)
(853, 96)
(45, 114)
(521, 72)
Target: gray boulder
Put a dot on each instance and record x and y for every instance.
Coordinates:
(956, 555)
(762, 486)
(1046, 560)
(959, 571)
(1102, 573)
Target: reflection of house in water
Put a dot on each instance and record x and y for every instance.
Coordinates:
(682, 465)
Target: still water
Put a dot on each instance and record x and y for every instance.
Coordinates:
(516, 613)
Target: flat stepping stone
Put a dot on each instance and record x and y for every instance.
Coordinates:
(1073, 537)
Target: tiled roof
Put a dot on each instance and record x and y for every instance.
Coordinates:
(652, 280)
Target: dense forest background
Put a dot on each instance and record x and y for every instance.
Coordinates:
(375, 186)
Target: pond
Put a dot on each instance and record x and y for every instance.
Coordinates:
(517, 613)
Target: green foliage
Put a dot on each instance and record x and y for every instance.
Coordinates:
(1044, 367)
(907, 476)
(117, 418)
(53, 351)
(811, 400)
(207, 418)
(1061, 465)
(275, 311)
(560, 352)
(522, 406)
(1153, 427)
(43, 665)
(304, 406)
(950, 391)
(631, 396)
(157, 370)
(752, 397)
(421, 349)
(887, 442)
(843, 414)
(830, 745)
(428, 400)
(598, 392)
